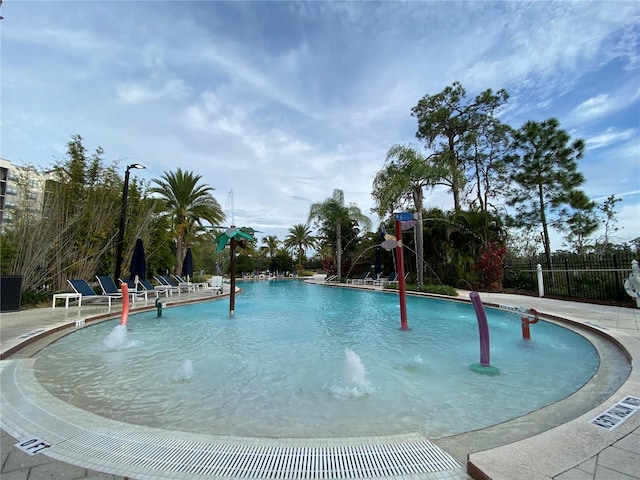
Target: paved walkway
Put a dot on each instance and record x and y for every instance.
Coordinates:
(576, 450)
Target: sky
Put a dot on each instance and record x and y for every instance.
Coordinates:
(282, 102)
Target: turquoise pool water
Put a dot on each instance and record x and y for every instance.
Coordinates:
(302, 360)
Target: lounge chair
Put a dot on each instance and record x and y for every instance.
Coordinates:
(215, 284)
(166, 280)
(138, 288)
(372, 280)
(359, 281)
(109, 287)
(182, 281)
(83, 288)
(395, 280)
(392, 278)
(158, 289)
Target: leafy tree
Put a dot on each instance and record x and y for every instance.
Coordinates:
(271, 245)
(300, 239)
(187, 203)
(545, 177)
(402, 181)
(579, 227)
(607, 211)
(449, 124)
(486, 150)
(333, 213)
(245, 263)
(282, 262)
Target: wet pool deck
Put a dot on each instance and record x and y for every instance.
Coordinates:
(575, 450)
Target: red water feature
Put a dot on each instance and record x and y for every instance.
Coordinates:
(125, 303)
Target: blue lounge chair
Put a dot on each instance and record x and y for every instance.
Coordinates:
(372, 280)
(392, 278)
(158, 289)
(83, 288)
(182, 281)
(138, 287)
(165, 280)
(109, 287)
(359, 281)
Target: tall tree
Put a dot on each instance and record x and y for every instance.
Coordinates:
(300, 239)
(187, 203)
(334, 212)
(607, 211)
(487, 149)
(579, 227)
(545, 176)
(402, 180)
(271, 245)
(448, 123)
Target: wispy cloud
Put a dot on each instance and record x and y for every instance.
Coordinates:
(611, 136)
(137, 93)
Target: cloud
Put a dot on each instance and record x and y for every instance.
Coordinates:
(610, 136)
(606, 103)
(136, 93)
(285, 101)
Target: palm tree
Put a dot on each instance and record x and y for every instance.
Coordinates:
(300, 239)
(271, 245)
(333, 211)
(187, 203)
(402, 180)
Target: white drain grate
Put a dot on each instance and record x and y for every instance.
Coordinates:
(152, 454)
(82, 438)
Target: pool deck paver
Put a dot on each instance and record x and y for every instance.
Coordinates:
(618, 459)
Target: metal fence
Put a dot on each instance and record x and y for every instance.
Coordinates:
(588, 277)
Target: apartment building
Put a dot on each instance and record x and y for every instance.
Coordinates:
(21, 187)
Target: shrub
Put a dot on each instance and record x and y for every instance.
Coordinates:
(490, 265)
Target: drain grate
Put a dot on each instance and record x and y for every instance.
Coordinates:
(152, 455)
(85, 439)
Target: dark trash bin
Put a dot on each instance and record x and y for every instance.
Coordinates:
(10, 293)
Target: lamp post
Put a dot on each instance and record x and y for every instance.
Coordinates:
(123, 211)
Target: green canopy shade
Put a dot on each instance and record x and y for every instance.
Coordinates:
(244, 233)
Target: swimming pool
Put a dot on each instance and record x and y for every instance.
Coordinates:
(289, 365)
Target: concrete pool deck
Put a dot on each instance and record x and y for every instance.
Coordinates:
(574, 450)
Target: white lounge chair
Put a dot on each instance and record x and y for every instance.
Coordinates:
(215, 284)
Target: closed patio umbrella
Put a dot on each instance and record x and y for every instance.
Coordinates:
(378, 262)
(138, 267)
(187, 265)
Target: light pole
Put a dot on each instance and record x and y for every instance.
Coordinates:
(123, 211)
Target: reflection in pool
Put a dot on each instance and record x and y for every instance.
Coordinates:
(302, 360)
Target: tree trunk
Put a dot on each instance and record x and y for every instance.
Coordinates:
(339, 250)
(545, 228)
(456, 197)
(179, 256)
(417, 200)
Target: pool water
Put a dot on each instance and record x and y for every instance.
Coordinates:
(303, 360)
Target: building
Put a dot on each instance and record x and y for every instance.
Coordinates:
(22, 188)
